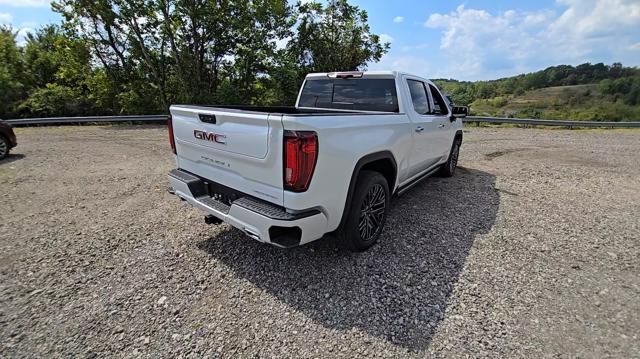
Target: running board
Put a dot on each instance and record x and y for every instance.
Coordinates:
(417, 180)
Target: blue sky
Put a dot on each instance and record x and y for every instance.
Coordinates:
(468, 40)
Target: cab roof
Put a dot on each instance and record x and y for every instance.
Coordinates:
(359, 74)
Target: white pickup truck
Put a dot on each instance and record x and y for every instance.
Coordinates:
(289, 175)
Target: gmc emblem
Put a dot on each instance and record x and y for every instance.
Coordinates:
(209, 136)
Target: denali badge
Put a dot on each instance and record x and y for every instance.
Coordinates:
(208, 136)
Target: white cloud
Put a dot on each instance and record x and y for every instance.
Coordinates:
(386, 38)
(538, 18)
(407, 63)
(398, 19)
(6, 18)
(421, 46)
(476, 41)
(21, 37)
(23, 29)
(30, 24)
(26, 3)
(594, 18)
(635, 47)
(481, 45)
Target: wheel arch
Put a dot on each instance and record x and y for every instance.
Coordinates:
(383, 162)
(7, 140)
(458, 135)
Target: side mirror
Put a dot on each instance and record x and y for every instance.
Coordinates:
(460, 111)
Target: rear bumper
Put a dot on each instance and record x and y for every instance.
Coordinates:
(260, 220)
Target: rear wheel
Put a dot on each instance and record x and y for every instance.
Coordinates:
(368, 212)
(448, 169)
(4, 147)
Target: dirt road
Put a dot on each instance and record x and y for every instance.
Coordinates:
(533, 249)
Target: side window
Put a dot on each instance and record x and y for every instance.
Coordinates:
(439, 106)
(419, 96)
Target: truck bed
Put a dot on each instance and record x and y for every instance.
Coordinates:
(284, 110)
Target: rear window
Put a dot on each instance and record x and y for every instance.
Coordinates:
(351, 94)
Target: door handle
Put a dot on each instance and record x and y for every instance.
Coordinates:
(419, 129)
(441, 125)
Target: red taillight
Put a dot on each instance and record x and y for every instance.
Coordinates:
(300, 155)
(172, 141)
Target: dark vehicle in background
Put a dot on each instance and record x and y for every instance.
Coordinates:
(7, 139)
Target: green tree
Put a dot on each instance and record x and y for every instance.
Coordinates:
(40, 61)
(11, 73)
(180, 50)
(284, 80)
(261, 24)
(633, 96)
(57, 66)
(124, 38)
(335, 37)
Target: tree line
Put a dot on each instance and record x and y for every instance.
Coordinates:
(139, 56)
(616, 80)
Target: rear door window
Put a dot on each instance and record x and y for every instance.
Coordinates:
(350, 94)
(439, 106)
(419, 96)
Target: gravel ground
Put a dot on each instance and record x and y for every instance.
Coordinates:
(532, 249)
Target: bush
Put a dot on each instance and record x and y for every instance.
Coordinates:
(498, 101)
(55, 100)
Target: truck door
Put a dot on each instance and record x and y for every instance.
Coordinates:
(440, 112)
(426, 127)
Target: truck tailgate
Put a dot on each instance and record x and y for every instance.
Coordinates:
(238, 149)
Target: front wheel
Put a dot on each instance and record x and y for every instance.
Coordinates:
(448, 169)
(367, 213)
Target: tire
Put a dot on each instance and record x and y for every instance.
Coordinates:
(448, 169)
(367, 213)
(4, 147)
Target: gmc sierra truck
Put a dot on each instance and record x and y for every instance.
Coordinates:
(289, 175)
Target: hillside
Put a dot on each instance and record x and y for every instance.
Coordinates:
(595, 92)
(577, 102)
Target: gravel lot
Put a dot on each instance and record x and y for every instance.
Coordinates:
(533, 249)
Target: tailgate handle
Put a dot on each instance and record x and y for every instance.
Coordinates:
(207, 118)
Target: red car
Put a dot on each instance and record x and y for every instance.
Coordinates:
(7, 139)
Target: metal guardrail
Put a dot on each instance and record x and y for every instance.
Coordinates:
(468, 119)
(89, 119)
(565, 123)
